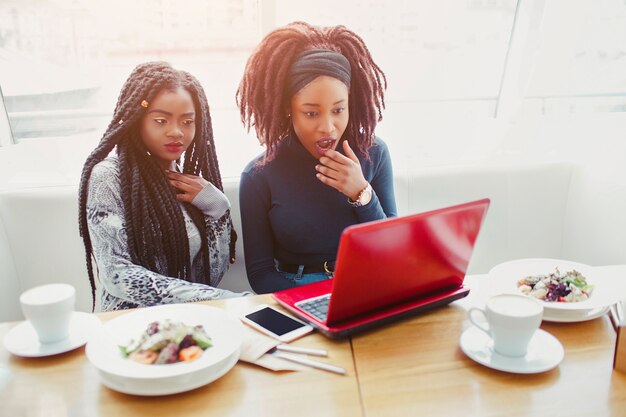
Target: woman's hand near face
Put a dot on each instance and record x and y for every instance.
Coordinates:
(186, 186)
(343, 173)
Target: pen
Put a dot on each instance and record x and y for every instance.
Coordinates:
(306, 351)
(616, 313)
(309, 362)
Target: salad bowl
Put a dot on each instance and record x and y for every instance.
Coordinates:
(122, 374)
(506, 277)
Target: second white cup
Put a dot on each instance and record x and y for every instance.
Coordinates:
(511, 321)
(49, 309)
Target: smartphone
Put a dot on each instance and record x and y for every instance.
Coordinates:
(275, 323)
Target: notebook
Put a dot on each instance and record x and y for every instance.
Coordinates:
(389, 269)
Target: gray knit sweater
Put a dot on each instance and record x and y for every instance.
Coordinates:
(128, 285)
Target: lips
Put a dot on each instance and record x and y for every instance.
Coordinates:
(174, 147)
(325, 144)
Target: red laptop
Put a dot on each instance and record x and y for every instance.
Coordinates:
(392, 268)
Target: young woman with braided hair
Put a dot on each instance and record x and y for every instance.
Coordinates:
(314, 96)
(158, 234)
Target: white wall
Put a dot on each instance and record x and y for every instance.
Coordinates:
(41, 226)
(558, 187)
(596, 144)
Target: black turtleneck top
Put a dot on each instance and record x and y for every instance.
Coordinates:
(287, 214)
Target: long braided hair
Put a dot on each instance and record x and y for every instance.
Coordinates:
(262, 98)
(155, 226)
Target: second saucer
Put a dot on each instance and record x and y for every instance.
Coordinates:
(544, 352)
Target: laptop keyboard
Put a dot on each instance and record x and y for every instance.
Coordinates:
(317, 307)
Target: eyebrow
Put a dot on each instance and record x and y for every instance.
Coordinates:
(191, 113)
(317, 105)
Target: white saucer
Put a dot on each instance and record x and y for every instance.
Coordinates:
(22, 339)
(544, 352)
(574, 317)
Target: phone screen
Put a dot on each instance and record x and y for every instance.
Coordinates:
(274, 321)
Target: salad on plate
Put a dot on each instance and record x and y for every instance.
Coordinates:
(167, 341)
(568, 287)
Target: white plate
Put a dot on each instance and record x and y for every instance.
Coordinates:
(574, 316)
(544, 352)
(506, 275)
(173, 385)
(22, 339)
(103, 352)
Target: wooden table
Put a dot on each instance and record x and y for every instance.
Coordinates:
(414, 367)
(68, 385)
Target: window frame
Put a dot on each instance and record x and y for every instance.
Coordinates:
(6, 134)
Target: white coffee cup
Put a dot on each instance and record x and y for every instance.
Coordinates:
(49, 309)
(512, 320)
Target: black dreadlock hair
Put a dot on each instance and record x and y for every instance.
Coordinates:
(157, 237)
(267, 70)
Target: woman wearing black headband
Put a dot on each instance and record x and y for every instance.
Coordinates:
(314, 96)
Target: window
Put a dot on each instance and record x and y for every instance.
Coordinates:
(580, 66)
(430, 49)
(443, 60)
(63, 62)
(449, 63)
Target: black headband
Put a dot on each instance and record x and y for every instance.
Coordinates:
(312, 63)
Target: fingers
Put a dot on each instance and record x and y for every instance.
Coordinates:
(343, 173)
(186, 183)
(185, 178)
(340, 183)
(333, 156)
(349, 152)
(179, 185)
(185, 198)
(334, 165)
(179, 181)
(329, 172)
(349, 156)
(184, 192)
(330, 182)
(334, 159)
(183, 185)
(339, 180)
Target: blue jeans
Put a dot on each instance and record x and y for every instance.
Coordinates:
(304, 279)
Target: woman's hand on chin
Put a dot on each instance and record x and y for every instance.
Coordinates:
(343, 173)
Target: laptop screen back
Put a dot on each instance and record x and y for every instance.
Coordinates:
(389, 261)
